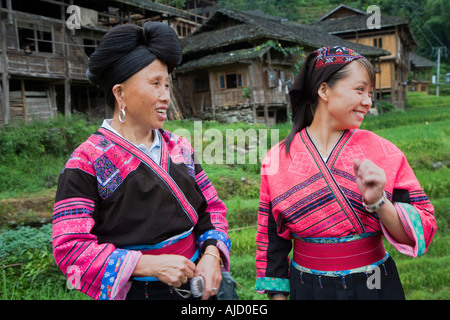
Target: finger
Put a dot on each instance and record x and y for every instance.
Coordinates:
(186, 268)
(371, 174)
(190, 270)
(212, 287)
(356, 165)
(371, 180)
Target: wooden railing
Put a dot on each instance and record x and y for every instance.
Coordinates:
(44, 66)
(234, 96)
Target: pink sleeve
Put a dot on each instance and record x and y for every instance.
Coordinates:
(217, 210)
(99, 270)
(415, 211)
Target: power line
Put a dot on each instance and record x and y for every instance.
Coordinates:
(414, 12)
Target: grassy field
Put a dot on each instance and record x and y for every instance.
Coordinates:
(31, 160)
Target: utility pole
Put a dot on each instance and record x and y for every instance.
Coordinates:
(438, 71)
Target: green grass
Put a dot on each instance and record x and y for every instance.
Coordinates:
(243, 251)
(30, 162)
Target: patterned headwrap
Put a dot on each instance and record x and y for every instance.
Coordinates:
(319, 67)
(128, 48)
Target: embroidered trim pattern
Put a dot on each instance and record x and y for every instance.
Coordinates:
(272, 284)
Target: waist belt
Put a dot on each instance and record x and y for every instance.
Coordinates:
(338, 256)
(185, 246)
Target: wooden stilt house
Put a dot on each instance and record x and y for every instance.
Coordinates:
(237, 66)
(45, 47)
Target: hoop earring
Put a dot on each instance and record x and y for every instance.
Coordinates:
(122, 115)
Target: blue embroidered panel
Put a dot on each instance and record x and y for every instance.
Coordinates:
(108, 176)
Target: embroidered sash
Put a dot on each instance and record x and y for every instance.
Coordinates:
(339, 256)
(183, 245)
(328, 176)
(160, 171)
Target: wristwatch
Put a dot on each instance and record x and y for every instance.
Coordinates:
(377, 205)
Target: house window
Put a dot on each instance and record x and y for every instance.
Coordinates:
(230, 81)
(272, 78)
(44, 41)
(35, 40)
(200, 84)
(26, 41)
(271, 114)
(90, 45)
(378, 42)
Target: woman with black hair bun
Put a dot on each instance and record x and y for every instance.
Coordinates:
(134, 216)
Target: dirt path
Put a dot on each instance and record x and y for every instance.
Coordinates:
(36, 209)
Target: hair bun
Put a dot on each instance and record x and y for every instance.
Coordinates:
(162, 41)
(120, 53)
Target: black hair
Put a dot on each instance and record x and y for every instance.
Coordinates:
(304, 115)
(128, 48)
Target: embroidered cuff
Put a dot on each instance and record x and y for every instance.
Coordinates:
(223, 244)
(267, 284)
(412, 224)
(119, 269)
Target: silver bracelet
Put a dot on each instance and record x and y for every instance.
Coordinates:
(377, 205)
(276, 295)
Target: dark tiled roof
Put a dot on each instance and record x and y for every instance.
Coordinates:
(218, 38)
(339, 8)
(238, 56)
(357, 23)
(156, 7)
(250, 26)
(420, 62)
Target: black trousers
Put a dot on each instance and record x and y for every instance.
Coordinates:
(382, 285)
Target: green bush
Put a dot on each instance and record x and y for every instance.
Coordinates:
(32, 155)
(27, 268)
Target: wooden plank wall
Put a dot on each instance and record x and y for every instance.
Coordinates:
(36, 105)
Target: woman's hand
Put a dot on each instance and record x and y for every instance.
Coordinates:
(209, 268)
(370, 180)
(173, 270)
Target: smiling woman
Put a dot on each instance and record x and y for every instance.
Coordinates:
(133, 212)
(336, 191)
(346, 101)
(144, 99)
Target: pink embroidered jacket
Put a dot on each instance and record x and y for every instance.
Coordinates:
(303, 196)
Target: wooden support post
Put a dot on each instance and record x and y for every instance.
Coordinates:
(5, 98)
(266, 84)
(5, 75)
(266, 108)
(212, 85)
(24, 100)
(67, 100)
